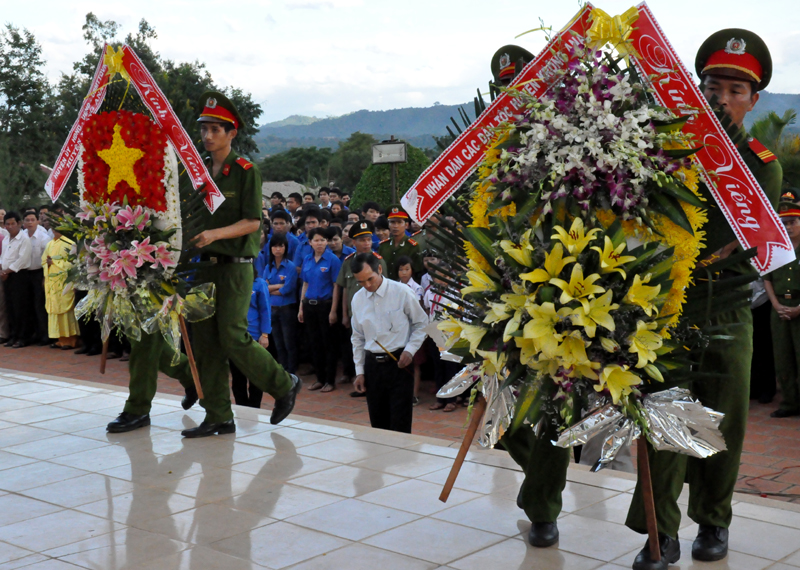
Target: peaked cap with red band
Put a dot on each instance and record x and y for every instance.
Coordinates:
(788, 210)
(396, 212)
(735, 53)
(507, 62)
(217, 108)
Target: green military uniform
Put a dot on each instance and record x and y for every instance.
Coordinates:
(149, 356)
(224, 336)
(712, 480)
(786, 334)
(347, 280)
(391, 253)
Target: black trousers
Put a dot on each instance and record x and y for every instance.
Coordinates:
(443, 370)
(36, 283)
(390, 394)
(323, 354)
(88, 327)
(18, 304)
(762, 368)
(244, 392)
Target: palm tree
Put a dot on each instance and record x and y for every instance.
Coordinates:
(770, 132)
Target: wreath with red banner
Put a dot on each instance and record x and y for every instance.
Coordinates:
(123, 160)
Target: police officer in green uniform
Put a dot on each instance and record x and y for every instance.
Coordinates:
(231, 242)
(734, 65)
(149, 356)
(399, 244)
(783, 289)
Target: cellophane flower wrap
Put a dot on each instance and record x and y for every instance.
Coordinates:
(584, 229)
(128, 231)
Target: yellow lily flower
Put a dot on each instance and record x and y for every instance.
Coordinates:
(498, 312)
(548, 366)
(611, 259)
(493, 364)
(479, 281)
(609, 345)
(512, 326)
(644, 343)
(642, 295)
(578, 287)
(519, 252)
(473, 334)
(451, 327)
(598, 314)
(554, 262)
(576, 239)
(572, 350)
(586, 370)
(618, 381)
(528, 350)
(516, 301)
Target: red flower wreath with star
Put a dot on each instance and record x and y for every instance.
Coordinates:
(123, 160)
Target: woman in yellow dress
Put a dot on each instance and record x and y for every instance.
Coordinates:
(59, 296)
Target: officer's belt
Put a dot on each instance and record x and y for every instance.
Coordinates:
(382, 357)
(317, 301)
(795, 295)
(222, 259)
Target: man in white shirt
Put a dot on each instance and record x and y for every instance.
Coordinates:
(386, 316)
(15, 261)
(39, 240)
(5, 332)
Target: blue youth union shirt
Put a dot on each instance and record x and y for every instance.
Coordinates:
(320, 275)
(286, 276)
(259, 315)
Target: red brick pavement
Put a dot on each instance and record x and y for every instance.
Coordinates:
(770, 462)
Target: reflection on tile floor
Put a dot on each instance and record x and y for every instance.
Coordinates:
(304, 495)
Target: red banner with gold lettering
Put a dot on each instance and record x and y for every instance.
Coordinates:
(163, 114)
(438, 182)
(744, 204)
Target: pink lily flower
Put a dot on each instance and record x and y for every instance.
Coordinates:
(162, 256)
(86, 213)
(129, 218)
(117, 282)
(142, 251)
(126, 263)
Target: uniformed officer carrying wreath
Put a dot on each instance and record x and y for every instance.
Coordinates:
(734, 65)
(231, 242)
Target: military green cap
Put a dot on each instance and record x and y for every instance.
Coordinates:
(735, 53)
(507, 62)
(396, 211)
(217, 108)
(788, 210)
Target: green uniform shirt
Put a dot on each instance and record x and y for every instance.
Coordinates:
(390, 254)
(240, 182)
(718, 232)
(786, 280)
(347, 280)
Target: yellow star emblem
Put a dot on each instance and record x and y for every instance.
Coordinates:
(120, 159)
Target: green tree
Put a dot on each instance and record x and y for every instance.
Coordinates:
(304, 165)
(770, 132)
(376, 182)
(28, 119)
(350, 160)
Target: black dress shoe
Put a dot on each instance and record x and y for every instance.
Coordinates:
(765, 398)
(206, 429)
(358, 394)
(543, 534)
(670, 554)
(10, 343)
(94, 351)
(711, 543)
(82, 350)
(128, 422)
(20, 344)
(189, 399)
(284, 406)
(781, 413)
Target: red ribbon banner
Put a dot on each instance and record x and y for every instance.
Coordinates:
(163, 114)
(744, 204)
(442, 178)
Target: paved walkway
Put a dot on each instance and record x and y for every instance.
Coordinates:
(305, 495)
(771, 449)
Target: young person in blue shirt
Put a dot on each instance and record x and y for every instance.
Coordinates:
(310, 221)
(281, 277)
(259, 325)
(336, 245)
(281, 225)
(319, 274)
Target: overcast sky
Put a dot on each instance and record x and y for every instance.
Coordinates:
(331, 57)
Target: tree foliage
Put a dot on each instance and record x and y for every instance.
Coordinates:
(304, 165)
(350, 160)
(376, 182)
(770, 131)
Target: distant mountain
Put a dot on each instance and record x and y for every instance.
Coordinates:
(418, 125)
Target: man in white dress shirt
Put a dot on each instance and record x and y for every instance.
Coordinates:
(39, 240)
(15, 261)
(386, 315)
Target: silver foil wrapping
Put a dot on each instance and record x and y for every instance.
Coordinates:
(676, 422)
(499, 411)
(461, 382)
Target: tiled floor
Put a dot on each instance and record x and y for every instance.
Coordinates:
(308, 494)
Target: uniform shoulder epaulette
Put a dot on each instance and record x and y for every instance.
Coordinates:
(375, 253)
(384, 241)
(412, 242)
(244, 163)
(417, 233)
(762, 152)
(349, 256)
